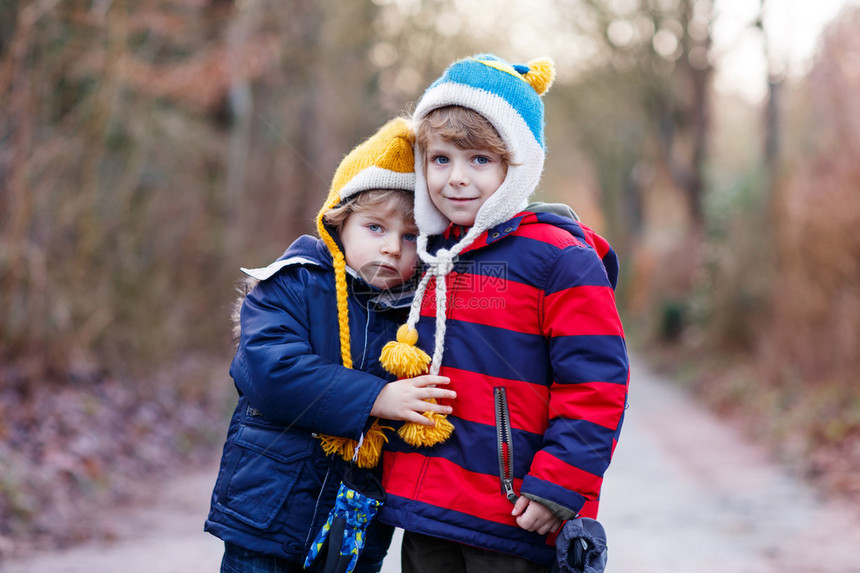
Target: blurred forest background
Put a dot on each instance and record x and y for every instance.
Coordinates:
(149, 148)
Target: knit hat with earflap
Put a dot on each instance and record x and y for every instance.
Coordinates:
(509, 97)
(383, 161)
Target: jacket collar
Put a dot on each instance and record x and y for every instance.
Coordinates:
(454, 233)
(583, 235)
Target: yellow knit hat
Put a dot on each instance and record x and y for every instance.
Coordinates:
(384, 161)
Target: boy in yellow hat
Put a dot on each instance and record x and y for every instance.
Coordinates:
(311, 389)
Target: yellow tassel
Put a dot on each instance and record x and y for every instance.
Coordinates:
(402, 358)
(419, 435)
(540, 75)
(343, 447)
(405, 360)
(368, 454)
(371, 448)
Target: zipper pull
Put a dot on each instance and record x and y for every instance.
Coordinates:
(508, 485)
(504, 442)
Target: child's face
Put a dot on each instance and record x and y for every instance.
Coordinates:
(461, 180)
(379, 244)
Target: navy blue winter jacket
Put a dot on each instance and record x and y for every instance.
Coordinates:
(275, 486)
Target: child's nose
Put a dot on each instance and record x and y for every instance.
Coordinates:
(391, 246)
(458, 175)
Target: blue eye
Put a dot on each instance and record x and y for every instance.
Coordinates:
(411, 237)
(441, 159)
(374, 227)
(482, 160)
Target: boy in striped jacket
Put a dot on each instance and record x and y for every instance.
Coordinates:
(517, 308)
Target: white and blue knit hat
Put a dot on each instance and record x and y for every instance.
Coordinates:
(509, 97)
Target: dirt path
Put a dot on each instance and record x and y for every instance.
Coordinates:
(166, 537)
(685, 493)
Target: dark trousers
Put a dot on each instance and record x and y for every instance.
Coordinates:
(425, 554)
(240, 560)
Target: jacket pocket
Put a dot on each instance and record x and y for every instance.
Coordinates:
(267, 462)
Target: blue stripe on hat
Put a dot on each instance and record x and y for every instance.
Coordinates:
(516, 91)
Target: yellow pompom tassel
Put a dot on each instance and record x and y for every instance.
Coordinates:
(419, 435)
(343, 447)
(371, 447)
(402, 358)
(405, 360)
(368, 454)
(541, 74)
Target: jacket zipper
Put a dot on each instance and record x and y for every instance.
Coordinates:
(504, 444)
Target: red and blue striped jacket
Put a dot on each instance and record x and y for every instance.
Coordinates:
(533, 335)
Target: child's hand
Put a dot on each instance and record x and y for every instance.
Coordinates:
(534, 516)
(404, 399)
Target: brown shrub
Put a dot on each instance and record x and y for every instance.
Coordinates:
(816, 324)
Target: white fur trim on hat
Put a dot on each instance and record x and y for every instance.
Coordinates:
(524, 172)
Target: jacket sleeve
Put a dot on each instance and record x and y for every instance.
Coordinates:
(277, 369)
(588, 394)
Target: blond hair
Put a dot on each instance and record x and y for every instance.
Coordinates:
(463, 127)
(367, 201)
